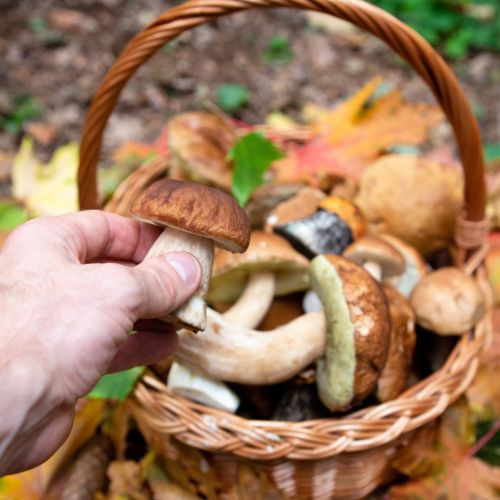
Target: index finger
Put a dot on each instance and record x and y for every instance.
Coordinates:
(94, 233)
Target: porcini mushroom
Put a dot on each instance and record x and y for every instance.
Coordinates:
(396, 373)
(378, 257)
(229, 352)
(266, 198)
(195, 219)
(269, 267)
(448, 302)
(199, 388)
(415, 267)
(414, 198)
(199, 143)
(302, 205)
(358, 331)
(328, 231)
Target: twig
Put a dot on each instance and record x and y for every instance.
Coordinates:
(482, 442)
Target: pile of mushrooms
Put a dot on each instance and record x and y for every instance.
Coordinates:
(350, 302)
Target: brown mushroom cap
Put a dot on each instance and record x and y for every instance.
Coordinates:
(358, 337)
(196, 209)
(415, 268)
(448, 302)
(395, 375)
(414, 198)
(302, 205)
(371, 248)
(199, 143)
(266, 252)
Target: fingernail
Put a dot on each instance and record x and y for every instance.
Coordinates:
(185, 265)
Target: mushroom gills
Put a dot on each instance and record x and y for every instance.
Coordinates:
(322, 233)
(335, 377)
(191, 314)
(181, 380)
(252, 306)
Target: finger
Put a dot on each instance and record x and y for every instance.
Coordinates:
(84, 236)
(164, 283)
(144, 348)
(153, 324)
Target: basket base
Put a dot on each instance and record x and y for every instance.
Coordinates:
(224, 476)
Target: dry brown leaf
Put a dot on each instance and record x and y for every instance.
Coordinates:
(125, 481)
(354, 134)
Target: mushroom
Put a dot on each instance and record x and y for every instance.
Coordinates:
(195, 219)
(448, 302)
(233, 353)
(415, 266)
(348, 212)
(358, 331)
(396, 373)
(378, 257)
(302, 205)
(282, 311)
(199, 388)
(414, 198)
(266, 198)
(199, 143)
(311, 302)
(269, 267)
(325, 232)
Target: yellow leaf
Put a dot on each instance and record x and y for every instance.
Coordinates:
(279, 121)
(49, 189)
(350, 137)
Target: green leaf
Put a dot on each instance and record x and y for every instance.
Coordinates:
(491, 151)
(11, 216)
(232, 96)
(116, 385)
(490, 452)
(278, 51)
(252, 155)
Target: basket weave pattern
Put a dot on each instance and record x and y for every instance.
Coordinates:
(343, 458)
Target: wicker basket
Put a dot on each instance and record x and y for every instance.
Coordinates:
(330, 458)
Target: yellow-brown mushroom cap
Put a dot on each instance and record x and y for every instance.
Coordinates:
(196, 209)
(267, 252)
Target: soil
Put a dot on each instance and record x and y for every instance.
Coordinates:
(58, 52)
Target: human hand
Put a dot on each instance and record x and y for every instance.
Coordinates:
(71, 289)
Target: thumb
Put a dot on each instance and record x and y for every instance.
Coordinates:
(166, 282)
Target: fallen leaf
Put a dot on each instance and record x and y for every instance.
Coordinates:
(492, 262)
(347, 139)
(440, 466)
(125, 481)
(41, 132)
(116, 385)
(483, 393)
(46, 189)
(116, 425)
(162, 487)
(252, 156)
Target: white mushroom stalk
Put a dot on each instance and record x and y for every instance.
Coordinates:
(181, 380)
(193, 311)
(311, 302)
(225, 351)
(254, 303)
(374, 268)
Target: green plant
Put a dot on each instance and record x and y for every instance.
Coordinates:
(454, 25)
(25, 108)
(232, 96)
(278, 51)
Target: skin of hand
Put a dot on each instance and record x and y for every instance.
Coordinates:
(72, 288)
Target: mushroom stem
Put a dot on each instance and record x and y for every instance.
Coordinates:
(311, 302)
(252, 306)
(374, 269)
(191, 385)
(193, 313)
(225, 351)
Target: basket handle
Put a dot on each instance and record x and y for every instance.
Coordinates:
(400, 37)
